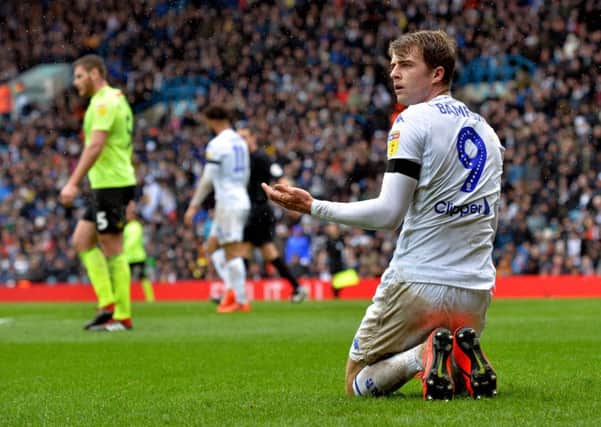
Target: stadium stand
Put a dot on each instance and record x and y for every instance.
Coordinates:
(313, 79)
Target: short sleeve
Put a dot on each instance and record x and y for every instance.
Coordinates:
(104, 116)
(408, 135)
(212, 153)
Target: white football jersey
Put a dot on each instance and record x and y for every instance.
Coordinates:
(230, 152)
(448, 232)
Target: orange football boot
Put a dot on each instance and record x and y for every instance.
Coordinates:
(437, 379)
(475, 369)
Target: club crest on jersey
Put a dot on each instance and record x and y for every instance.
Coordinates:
(450, 209)
(393, 142)
(101, 110)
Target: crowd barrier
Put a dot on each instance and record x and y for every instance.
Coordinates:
(279, 290)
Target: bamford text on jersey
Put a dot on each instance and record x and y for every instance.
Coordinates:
(456, 110)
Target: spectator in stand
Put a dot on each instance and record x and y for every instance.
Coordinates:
(322, 113)
(298, 247)
(6, 101)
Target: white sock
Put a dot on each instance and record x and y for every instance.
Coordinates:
(388, 375)
(218, 260)
(236, 276)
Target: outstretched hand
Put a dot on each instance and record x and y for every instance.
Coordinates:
(293, 198)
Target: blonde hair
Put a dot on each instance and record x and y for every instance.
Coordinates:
(437, 48)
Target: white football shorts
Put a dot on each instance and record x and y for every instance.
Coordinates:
(403, 314)
(228, 225)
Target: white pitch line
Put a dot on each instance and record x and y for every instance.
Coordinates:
(6, 320)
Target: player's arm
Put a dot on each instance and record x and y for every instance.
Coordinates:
(88, 157)
(384, 212)
(205, 185)
(203, 189)
(387, 211)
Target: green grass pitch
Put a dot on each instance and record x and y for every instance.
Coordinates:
(280, 365)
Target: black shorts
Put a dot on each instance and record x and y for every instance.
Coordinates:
(260, 227)
(106, 207)
(138, 270)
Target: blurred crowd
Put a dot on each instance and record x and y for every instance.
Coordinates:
(313, 79)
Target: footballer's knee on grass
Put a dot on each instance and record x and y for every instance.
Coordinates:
(352, 369)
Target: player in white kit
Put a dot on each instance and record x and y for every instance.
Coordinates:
(226, 172)
(443, 183)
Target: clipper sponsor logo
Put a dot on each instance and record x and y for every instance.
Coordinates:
(449, 208)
